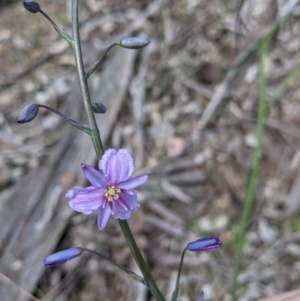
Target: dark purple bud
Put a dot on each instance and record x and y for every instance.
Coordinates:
(205, 244)
(31, 6)
(99, 108)
(134, 43)
(62, 257)
(28, 113)
(200, 297)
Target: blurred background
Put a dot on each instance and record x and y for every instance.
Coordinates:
(186, 109)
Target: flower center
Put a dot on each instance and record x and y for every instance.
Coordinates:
(112, 193)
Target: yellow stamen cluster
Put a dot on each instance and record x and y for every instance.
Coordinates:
(112, 193)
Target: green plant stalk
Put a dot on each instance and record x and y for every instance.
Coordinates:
(136, 253)
(175, 293)
(251, 185)
(74, 123)
(61, 33)
(130, 273)
(93, 68)
(95, 135)
(99, 152)
(261, 45)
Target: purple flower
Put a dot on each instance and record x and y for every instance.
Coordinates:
(200, 297)
(62, 257)
(112, 192)
(205, 244)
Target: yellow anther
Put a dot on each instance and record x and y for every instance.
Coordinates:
(112, 193)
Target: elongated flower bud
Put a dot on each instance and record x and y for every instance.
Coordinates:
(134, 43)
(28, 113)
(99, 108)
(31, 6)
(62, 257)
(200, 297)
(205, 244)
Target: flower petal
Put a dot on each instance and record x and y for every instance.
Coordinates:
(201, 297)
(133, 182)
(62, 257)
(129, 199)
(117, 166)
(86, 200)
(119, 212)
(103, 216)
(205, 244)
(95, 177)
(72, 192)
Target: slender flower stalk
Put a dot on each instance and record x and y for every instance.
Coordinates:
(29, 112)
(136, 253)
(200, 245)
(78, 125)
(93, 68)
(129, 43)
(99, 152)
(83, 83)
(34, 8)
(68, 254)
(61, 33)
(133, 275)
(176, 290)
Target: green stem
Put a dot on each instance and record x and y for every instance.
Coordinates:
(93, 68)
(251, 185)
(78, 125)
(99, 151)
(61, 33)
(130, 273)
(49, 19)
(140, 261)
(175, 293)
(83, 83)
